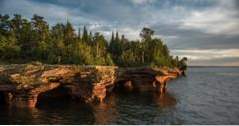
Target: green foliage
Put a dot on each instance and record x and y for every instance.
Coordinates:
(8, 47)
(146, 33)
(35, 41)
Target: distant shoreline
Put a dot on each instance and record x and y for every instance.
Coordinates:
(212, 66)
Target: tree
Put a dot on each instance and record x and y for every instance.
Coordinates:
(112, 38)
(40, 37)
(85, 35)
(57, 44)
(4, 24)
(182, 63)
(8, 47)
(123, 40)
(79, 34)
(41, 27)
(34, 40)
(146, 33)
(69, 34)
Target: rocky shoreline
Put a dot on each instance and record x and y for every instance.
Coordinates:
(24, 85)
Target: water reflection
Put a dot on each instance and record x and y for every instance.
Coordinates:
(164, 100)
(68, 112)
(125, 108)
(105, 112)
(204, 97)
(118, 108)
(12, 115)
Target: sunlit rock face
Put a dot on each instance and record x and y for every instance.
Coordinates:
(23, 85)
(27, 82)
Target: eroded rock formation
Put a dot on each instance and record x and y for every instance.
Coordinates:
(20, 85)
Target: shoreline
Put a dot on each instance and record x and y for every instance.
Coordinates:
(23, 85)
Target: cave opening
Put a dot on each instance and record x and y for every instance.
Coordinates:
(2, 98)
(54, 98)
(123, 86)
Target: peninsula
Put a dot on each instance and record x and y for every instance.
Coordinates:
(39, 62)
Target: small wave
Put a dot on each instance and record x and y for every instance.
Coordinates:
(229, 74)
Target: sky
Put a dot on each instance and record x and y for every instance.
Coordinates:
(205, 31)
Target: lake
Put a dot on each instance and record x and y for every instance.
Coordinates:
(208, 95)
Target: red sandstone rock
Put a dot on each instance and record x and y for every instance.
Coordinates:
(88, 83)
(128, 85)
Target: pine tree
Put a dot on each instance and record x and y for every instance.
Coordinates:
(90, 38)
(79, 33)
(33, 40)
(85, 35)
(112, 38)
(117, 40)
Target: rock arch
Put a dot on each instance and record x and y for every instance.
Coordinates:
(28, 97)
(123, 85)
(89, 83)
(5, 94)
(161, 81)
(57, 94)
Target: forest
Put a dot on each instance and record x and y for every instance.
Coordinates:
(23, 41)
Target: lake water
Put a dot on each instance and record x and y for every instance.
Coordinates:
(205, 96)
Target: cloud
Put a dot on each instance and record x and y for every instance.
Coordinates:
(207, 25)
(52, 13)
(212, 57)
(215, 62)
(222, 19)
(142, 2)
(207, 54)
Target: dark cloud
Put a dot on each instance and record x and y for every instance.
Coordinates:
(237, 4)
(191, 38)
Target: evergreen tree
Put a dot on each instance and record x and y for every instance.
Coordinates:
(34, 40)
(85, 35)
(79, 34)
(146, 33)
(117, 40)
(112, 38)
(40, 37)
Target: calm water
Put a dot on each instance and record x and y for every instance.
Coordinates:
(205, 96)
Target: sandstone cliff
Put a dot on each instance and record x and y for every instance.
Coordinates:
(21, 85)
